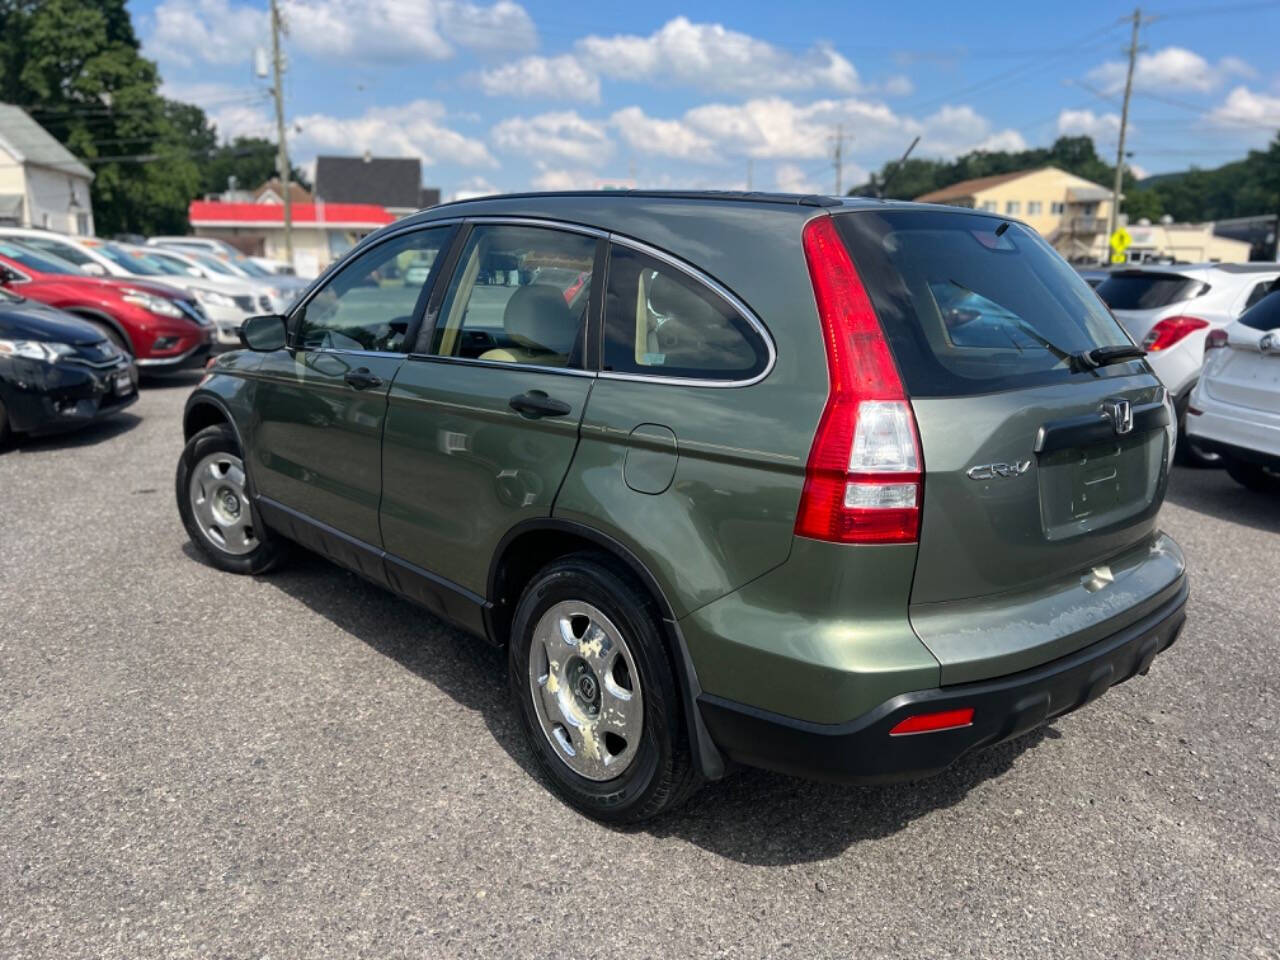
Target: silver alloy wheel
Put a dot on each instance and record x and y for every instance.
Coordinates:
(586, 690)
(220, 503)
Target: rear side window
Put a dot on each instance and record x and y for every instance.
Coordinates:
(1148, 291)
(660, 321)
(968, 310)
(1265, 314)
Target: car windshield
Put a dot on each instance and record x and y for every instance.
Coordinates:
(122, 258)
(212, 263)
(40, 262)
(163, 264)
(1147, 290)
(1265, 314)
(251, 268)
(972, 304)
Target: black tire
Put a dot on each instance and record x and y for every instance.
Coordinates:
(1253, 476)
(661, 774)
(5, 432)
(270, 549)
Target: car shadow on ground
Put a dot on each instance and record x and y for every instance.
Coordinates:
(180, 380)
(98, 432)
(751, 816)
(1214, 493)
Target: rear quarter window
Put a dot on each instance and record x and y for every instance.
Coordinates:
(968, 310)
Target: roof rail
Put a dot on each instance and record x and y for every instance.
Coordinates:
(789, 199)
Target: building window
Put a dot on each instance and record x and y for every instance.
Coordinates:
(1058, 208)
(1012, 207)
(44, 220)
(82, 224)
(1034, 208)
(989, 206)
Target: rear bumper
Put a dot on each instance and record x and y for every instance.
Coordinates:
(1239, 432)
(863, 751)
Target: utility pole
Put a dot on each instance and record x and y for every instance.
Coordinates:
(750, 164)
(282, 157)
(1124, 123)
(837, 159)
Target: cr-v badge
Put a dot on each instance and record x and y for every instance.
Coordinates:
(992, 471)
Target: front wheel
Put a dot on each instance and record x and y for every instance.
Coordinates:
(596, 694)
(214, 502)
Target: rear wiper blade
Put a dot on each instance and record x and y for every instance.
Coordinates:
(1101, 356)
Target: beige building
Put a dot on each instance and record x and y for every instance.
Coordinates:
(1069, 211)
(1188, 242)
(41, 183)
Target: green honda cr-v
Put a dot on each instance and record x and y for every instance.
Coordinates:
(841, 488)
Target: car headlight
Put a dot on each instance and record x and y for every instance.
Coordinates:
(151, 303)
(41, 350)
(211, 298)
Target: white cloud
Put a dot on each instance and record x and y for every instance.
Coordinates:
(791, 179)
(233, 111)
(956, 130)
(473, 187)
(1172, 68)
(1248, 112)
(222, 32)
(414, 129)
(666, 138)
(897, 85)
(563, 135)
(1099, 126)
(556, 78)
(710, 57)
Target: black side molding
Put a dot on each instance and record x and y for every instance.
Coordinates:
(1094, 428)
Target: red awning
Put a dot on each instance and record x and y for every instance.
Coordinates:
(212, 213)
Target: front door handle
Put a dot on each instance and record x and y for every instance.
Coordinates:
(536, 403)
(362, 379)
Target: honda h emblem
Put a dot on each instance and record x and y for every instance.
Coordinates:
(1120, 414)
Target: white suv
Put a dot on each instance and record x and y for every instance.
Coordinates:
(1235, 408)
(1170, 309)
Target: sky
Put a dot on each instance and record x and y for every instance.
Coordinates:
(503, 96)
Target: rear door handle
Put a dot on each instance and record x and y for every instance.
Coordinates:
(535, 404)
(362, 379)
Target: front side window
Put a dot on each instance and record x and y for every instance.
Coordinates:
(370, 303)
(661, 322)
(518, 295)
(63, 251)
(38, 261)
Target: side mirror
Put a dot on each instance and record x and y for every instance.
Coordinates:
(264, 334)
(94, 269)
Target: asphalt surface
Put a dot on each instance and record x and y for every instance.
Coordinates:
(194, 764)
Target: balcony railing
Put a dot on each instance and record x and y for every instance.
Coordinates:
(1086, 225)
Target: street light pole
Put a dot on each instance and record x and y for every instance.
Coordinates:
(282, 158)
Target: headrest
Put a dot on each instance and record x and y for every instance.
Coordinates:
(537, 317)
(670, 298)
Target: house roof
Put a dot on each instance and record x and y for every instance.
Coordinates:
(967, 188)
(357, 215)
(389, 181)
(30, 143)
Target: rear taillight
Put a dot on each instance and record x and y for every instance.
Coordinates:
(1215, 340)
(863, 481)
(1169, 331)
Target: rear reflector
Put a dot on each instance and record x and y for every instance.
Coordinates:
(1171, 330)
(863, 479)
(1215, 340)
(933, 722)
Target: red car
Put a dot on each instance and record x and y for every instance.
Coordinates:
(163, 328)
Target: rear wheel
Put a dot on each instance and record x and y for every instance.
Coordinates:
(214, 502)
(1254, 476)
(596, 694)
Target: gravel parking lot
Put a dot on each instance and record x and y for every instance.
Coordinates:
(194, 764)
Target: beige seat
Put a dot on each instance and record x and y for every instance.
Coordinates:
(541, 325)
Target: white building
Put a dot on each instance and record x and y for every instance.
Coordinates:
(41, 183)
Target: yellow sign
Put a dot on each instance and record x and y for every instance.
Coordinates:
(1120, 240)
(1117, 258)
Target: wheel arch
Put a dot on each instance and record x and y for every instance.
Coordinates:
(98, 316)
(529, 546)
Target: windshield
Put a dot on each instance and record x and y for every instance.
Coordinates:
(212, 263)
(1141, 290)
(39, 262)
(971, 310)
(251, 268)
(162, 264)
(60, 251)
(122, 258)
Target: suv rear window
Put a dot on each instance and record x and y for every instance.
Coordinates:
(1140, 290)
(1265, 314)
(968, 310)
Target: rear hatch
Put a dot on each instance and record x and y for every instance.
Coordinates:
(1248, 374)
(1042, 474)
(1140, 298)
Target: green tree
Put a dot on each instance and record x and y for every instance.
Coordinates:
(75, 66)
(251, 160)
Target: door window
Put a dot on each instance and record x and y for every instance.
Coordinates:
(661, 322)
(518, 295)
(371, 302)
